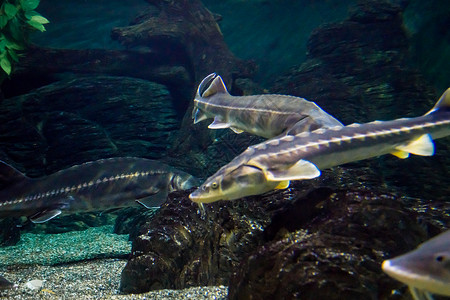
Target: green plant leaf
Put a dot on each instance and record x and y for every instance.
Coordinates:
(3, 21)
(15, 30)
(13, 55)
(39, 19)
(36, 25)
(29, 14)
(29, 4)
(6, 65)
(14, 46)
(10, 10)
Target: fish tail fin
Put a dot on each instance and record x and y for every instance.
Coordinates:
(442, 103)
(211, 85)
(10, 175)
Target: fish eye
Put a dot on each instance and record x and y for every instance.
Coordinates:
(214, 185)
(440, 258)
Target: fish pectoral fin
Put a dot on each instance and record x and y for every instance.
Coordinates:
(218, 124)
(237, 130)
(282, 185)
(198, 115)
(422, 146)
(302, 169)
(154, 200)
(400, 154)
(45, 215)
(419, 294)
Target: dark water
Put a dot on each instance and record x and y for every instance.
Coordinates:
(118, 78)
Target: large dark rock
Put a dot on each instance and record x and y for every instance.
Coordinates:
(181, 247)
(358, 70)
(287, 244)
(336, 251)
(83, 119)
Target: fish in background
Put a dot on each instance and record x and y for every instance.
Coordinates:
(262, 115)
(426, 270)
(93, 186)
(5, 284)
(275, 162)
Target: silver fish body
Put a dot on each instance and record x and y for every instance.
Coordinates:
(93, 186)
(426, 269)
(273, 163)
(263, 115)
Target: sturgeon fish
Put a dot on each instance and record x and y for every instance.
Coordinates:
(426, 269)
(273, 163)
(93, 186)
(263, 115)
(5, 284)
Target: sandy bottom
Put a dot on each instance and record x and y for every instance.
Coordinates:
(95, 279)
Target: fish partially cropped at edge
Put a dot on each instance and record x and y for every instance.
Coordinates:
(93, 186)
(273, 163)
(5, 284)
(263, 115)
(426, 270)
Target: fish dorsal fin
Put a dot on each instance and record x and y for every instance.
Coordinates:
(9, 175)
(218, 124)
(422, 146)
(216, 86)
(204, 85)
(443, 102)
(302, 169)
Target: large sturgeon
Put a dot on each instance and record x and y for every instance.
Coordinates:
(273, 163)
(93, 186)
(263, 115)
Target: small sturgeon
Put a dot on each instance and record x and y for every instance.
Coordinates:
(426, 269)
(262, 115)
(93, 186)
(273, 163)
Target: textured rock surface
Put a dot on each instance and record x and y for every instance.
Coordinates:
(358, 69)
(336, 251)
(288, 244)
(83, 119)
(179, 247)
(184, 29)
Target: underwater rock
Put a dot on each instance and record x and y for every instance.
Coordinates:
(34, 71)
(179, 247)
(262, 242)
(362, 67)
(187, 31)
(84, 119)
(336, 252)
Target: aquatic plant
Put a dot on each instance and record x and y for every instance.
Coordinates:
(17, 19)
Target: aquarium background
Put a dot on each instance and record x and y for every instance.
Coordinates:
(115, 78)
